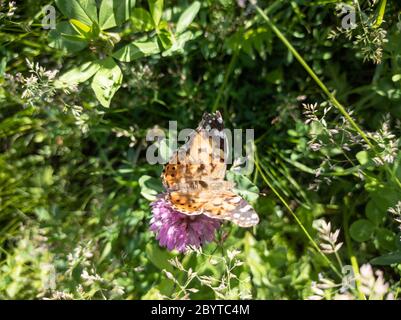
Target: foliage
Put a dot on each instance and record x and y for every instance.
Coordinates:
(76, 105)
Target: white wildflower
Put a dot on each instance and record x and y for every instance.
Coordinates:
(330, 244)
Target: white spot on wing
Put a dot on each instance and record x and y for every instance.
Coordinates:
(235, 200)
(246, 208)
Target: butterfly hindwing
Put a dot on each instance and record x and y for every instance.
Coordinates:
(244, 215)
(186, 202)
(197, 196)
(234, 208)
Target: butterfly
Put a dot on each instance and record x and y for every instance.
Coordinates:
(194, 177)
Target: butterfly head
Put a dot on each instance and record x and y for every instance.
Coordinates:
(212, 121)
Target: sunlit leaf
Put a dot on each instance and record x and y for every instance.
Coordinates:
(107, 81)
(81, 10)
(113, 13)
(150, 187)
(80, 27)
(64, 37)
(137, 49)
(187, 16)
(159, 257)
(243, 186)
(81, 73)
(178, 44)
(142, 20)
(156, 10)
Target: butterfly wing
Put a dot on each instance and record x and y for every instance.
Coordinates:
(187, 202)
(194, 177)
(232, 207)
(202, 156)
(193, 163)
(194, 196)
(216, 201)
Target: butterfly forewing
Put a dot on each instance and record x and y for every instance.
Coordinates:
(194, 162)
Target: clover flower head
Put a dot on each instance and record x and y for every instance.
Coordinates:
(176, 230)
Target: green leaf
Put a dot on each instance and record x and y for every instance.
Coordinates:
(243, 186)
(396, 77)
(106, 251)
(142, 20)
(82, 10)
(385, 196)
(385, 239)
(80, 74)
(64, 37)
(152, 294)
(187, 16)
(165, 38)
(3, 64)
(150, 187)
(258, 267)
(80, 27)
(137, 49)
(156, 10)
(42, 214)
(361, 230)
(363, 157)
(387, 259)
(380, 13)
(159, 257)
(178, 44)
(114, 13)
(164, 150)
(375, 214)
(226, 3)
(397, 241)
(107, 81)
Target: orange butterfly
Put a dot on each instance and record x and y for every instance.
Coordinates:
(194, 177)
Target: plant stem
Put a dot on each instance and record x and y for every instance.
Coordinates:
(352, 257)
(229, 70)
(380, 14)
(315, 245)
(339, 260)
(331, 97)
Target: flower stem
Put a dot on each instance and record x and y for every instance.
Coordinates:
(339, 260)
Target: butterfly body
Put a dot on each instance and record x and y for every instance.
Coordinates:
(194, 177)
